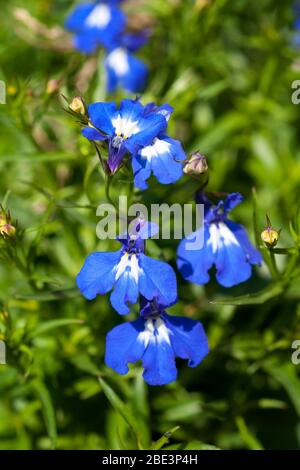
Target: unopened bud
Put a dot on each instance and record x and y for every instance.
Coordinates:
(8, 230)
(196, 164)
(77, 105)
(6, 227)
(270, 236)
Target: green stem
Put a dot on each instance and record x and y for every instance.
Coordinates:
(273, 265)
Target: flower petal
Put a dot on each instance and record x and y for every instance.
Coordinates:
(188, 340)
(230, 259)
(162, 159)
(252, 254)
(232, 201)
(125, 291)
(85, 41)
(150, 127)
(123, 347)
(101, 115)
(158, 359)
(93, 134)
(195, 264)
(126, 70)
(157, 280)
(97, 276)
(75, 21)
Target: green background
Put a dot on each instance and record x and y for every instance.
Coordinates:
(227, 67)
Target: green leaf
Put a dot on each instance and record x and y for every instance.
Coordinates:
(286, 375)
(48, 410)
(250, 440)
(164, 439)
(252, 299)
(51, 295)
(121, 408)
(198, 445)
(53, 324)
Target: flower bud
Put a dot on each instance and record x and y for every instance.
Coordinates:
(8, 230)
(270, 236)
(77, 105)
(196, 164)
(6, 227)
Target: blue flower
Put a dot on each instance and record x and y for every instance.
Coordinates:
(127, 129)
(94, 24)
(156, 339)
(226, 245)
(123, 68)
(129, 272)
(163, 157)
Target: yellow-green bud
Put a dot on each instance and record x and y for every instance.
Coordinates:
(77, 105)
(196, 164)
(270, 237)
(6, 227)
(8, 230)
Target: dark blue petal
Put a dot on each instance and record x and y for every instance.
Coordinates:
(195, 264)
(141, 170)
(97, 276)
(188, 340)
(122, 346)
(133, 41)
(252, 254)
(93, 134)
(101, 115)
(232, 201)
(166, 110)
(157, 281)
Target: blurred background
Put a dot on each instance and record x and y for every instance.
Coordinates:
(227, 68)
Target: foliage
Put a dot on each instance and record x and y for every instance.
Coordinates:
(227, 67)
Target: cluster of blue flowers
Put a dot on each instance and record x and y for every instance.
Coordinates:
(138, 133)
(103, 23)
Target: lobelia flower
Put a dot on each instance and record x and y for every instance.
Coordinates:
(162, 157)
(122, 67)
(95, 23)
(129, 272)
(156, 339)
(127, 129)
(226, 245)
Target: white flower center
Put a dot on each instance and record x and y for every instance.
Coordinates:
(158, 147)
(220, 235)
(118, 61)
(155, 329)
(99, 17)
(130, 264)
(125, 127)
